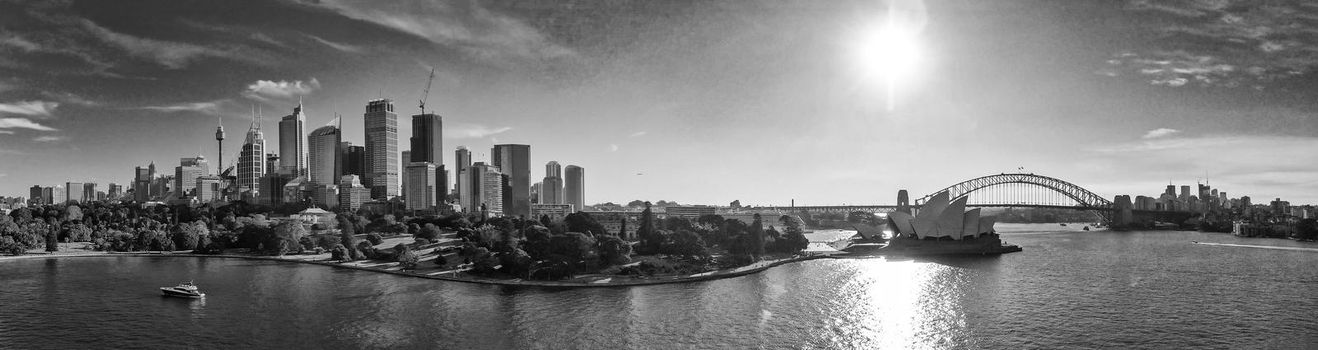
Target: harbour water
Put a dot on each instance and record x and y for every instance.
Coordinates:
(1068, 288)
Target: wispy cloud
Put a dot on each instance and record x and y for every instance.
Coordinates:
(637, 134)
(49, 138)
(472, 131)
(613, 148)
(337, 46)
(1254, 165)
(70, 98)
(173, 55)
(23, 123)
(464, 25)
(1160, 132)
(6, 132)
(31, 108)
(17, 41)
(211, 107)
(265, 90)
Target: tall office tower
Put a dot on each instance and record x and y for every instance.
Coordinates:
(514, 161)
(142, 184)
(292, 144)
(48, 195)
(352, 194)
(89, 191)
(353, 159)
(207, 188)
(551, 188)
(58, 194)
(381, 148)
(1185, 192)
(186, 174)
(462, 157)
(34, 195)
(484, 186)
(574, 187)
(73, 192)
(427, 138)
(1171, 190)
(153, 191)
(324, 165)
(251, 161)
(402, 179)
(116, 191)
(271, 163)
(428, 146)
(536, 192)
(420, 191)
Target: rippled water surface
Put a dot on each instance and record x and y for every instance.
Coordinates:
(1067, 289)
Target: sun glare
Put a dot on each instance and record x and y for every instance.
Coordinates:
(888, 53)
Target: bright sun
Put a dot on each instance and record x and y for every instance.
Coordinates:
(889, 53)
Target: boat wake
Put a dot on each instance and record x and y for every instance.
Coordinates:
(1260, 246)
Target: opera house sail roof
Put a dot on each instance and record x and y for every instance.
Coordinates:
(942, 217)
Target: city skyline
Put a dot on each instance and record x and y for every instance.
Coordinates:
(1119, 116)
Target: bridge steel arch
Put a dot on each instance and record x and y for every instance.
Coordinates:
(1086, 199)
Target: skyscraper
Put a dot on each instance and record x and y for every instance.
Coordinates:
(251, 160)
(427, 138)
(421, 180)
(381, 148)
(324, 165)
(574, 187)
(186, 174)
(353, 159)
(142, 184)
(34, 195)
(116, 192)
(514, 161)
(463, 159)
(74, 192)
(551, 188)
(292, 145)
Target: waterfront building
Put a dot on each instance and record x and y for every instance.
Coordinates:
(620, 223)
(116, 191)
(34, 195)
(292, 144)
(353, 159)
(514, 161)
(352, 193)
(551, 190)
(462, 157)
(689, 211)
(381, 148)
(574, 187)
(555, 212)
(186, 174)
(323, 161)
(251, 160)
(73, 193)
(420, 193)
(208, 188)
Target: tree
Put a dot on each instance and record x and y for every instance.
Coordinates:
(686, 243)
(72, 213)
(405, 257)
(286, 238)
(186, 235)
(340, 253)
(584, 223)
(649, 241)
(574, 248)
(516, 262)
(613, 250)
(52, 240)
(429, 232)
(756, 241)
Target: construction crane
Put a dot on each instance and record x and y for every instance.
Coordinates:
(426, 93)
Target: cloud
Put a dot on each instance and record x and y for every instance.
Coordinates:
(613, 148)
(70, 98)
(32, 108)
(637, 134)
(265, 90)
(1253, 165)
(1160, 132)
(173, 55)
(17, 41)
(1220, 43)
(23, 123)
(464, 25)
(49, 138)
(337, 46)
(472, 131)
(6, 132)
(212, 107)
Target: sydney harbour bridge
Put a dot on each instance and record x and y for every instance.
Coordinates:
(1000, 190)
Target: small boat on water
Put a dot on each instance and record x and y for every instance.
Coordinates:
(1063, 224)
(1086, 228)
(183, 290)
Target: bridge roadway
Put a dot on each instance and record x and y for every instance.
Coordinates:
(883, 208)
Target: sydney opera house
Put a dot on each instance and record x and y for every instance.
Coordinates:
(944, 227)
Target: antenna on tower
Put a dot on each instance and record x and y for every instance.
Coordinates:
(425, 94)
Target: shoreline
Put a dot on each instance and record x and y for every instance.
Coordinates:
(619, 281)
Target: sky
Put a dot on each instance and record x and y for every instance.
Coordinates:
(700, 102)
